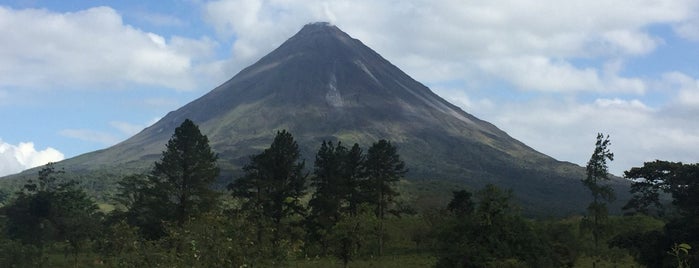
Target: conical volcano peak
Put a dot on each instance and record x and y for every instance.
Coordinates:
(318, 26)
(319, 35)
(318, 29)
(322, 84)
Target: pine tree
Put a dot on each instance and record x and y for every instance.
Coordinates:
(327, 200)
(180, 185)
(597, 175)
(383, 169)
(272, 187)
(353, 172)
(337, 173)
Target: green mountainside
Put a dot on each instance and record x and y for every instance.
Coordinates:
(321, 84)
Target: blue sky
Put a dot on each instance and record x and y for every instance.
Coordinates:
(78, 76)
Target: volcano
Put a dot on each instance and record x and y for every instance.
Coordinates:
(322, 84)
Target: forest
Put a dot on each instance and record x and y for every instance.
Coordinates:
(343, 211)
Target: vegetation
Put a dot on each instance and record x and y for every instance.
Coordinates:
(346, 212)
(597, 176)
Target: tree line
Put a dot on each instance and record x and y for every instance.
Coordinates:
(344, 207)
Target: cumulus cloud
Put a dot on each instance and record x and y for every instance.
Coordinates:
(566, 129)
(92, 47)
(15, 158)
(687, 88)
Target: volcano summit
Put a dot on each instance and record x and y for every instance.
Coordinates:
(321, 84)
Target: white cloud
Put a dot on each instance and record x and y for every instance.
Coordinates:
(687, 88)
(89, 48)
(15, 158)
(566, 129)
(530, 44)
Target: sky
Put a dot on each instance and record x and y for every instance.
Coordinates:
(78, 76)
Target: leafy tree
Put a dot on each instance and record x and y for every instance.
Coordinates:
(52, 210)
(492, 235)
(383, 169)
(350, 232)
(272, 188)
(679, 180)
(597, 175)
(649, 183)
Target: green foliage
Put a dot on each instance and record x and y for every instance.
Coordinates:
(271, 191)
(383, 169)
(602, 193)
(337, 176)
(494, 235)
(185, 173)
(51, 210)
(678, 179)
(461, 203)
(350, 233)
(649, 182)
(681, 254)
(178, 188)
(14, 253)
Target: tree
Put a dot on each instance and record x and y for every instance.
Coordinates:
(597, 175)
(272, 188)
(461, 204)
(492, 235)
(349, 233)
(648, 184)
(179, 186)
(326, 203)
(383, 169)
(679, 180)
(52, 210)
(186, 171)
(353, 172)
(337, 174)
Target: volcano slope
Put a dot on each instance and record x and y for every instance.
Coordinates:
(321, 84)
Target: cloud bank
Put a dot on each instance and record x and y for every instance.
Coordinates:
(92, 48)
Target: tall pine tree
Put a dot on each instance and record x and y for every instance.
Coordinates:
(186, 171)
(272, 187)
(179, 186)
(602, 193)
(383, 169)
(337, 174)
(327, 200)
